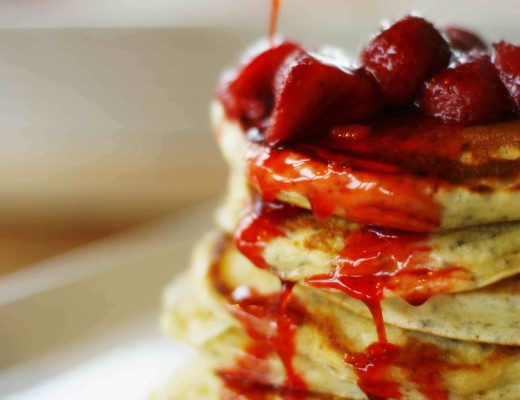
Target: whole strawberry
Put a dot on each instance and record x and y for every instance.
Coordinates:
(507, 61)
(403, 56)
(469, 92)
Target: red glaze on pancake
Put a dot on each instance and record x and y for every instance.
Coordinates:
(271, 321)
(386, 174)
(371, 262)
(366, 192)
(422, 362)
(259, 225)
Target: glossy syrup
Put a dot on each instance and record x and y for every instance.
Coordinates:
(271, 321)
(273, 25)
(421, 364)
(364, 191)
(371, 263)
(262, 223)
(369, 189)
(375, 261)
(388, 172)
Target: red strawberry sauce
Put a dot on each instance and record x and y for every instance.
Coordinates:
(273, 25)
(365, 191)
(372, 262)
(271, 322)
(258, 315)
(382, 173)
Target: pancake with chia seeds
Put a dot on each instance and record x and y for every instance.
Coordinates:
(410, 173)
(199, 381)
(369, 245)
(301, 247)
(486, 315)
(216, 312)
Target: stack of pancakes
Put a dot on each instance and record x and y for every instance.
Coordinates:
(369, 244)
(285, 305)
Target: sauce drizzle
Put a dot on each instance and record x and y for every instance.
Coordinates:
(271, 321)
(372, 182)
(364, 191)
(259, 225)
(372, 262)
(421, 364)
(273, 25)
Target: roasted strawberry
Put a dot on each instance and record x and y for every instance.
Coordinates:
(247, 92)
(463, 40)
(507, 61)
(403, 56)
(311, 96)
(469, 92)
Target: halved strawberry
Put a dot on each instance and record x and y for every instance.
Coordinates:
(311, 96)
(403, 56)
(247, 92)
(469, 92)
(463, 40)
(507, 61)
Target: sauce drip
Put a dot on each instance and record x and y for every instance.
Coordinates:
(373, 369)
(421, 363)
(387, 181)
(367, 192)
(371, 263)
(273, 25)
(259, 225)
(271, 321)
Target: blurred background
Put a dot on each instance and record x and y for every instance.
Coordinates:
(104, 129)
(104, 103)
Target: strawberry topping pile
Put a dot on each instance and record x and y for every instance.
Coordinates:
(403, 56)
(289, 93)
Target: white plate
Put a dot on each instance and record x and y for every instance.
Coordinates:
(85, 325)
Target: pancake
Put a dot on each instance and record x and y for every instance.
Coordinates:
(368, 249)
(310, 247)
(196, 381)
(195, 312)
(398, 178)
(456, 260)
(199, 381)
(487, 315)
(327, 334)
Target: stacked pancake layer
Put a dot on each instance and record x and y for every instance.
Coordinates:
(285, 305)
